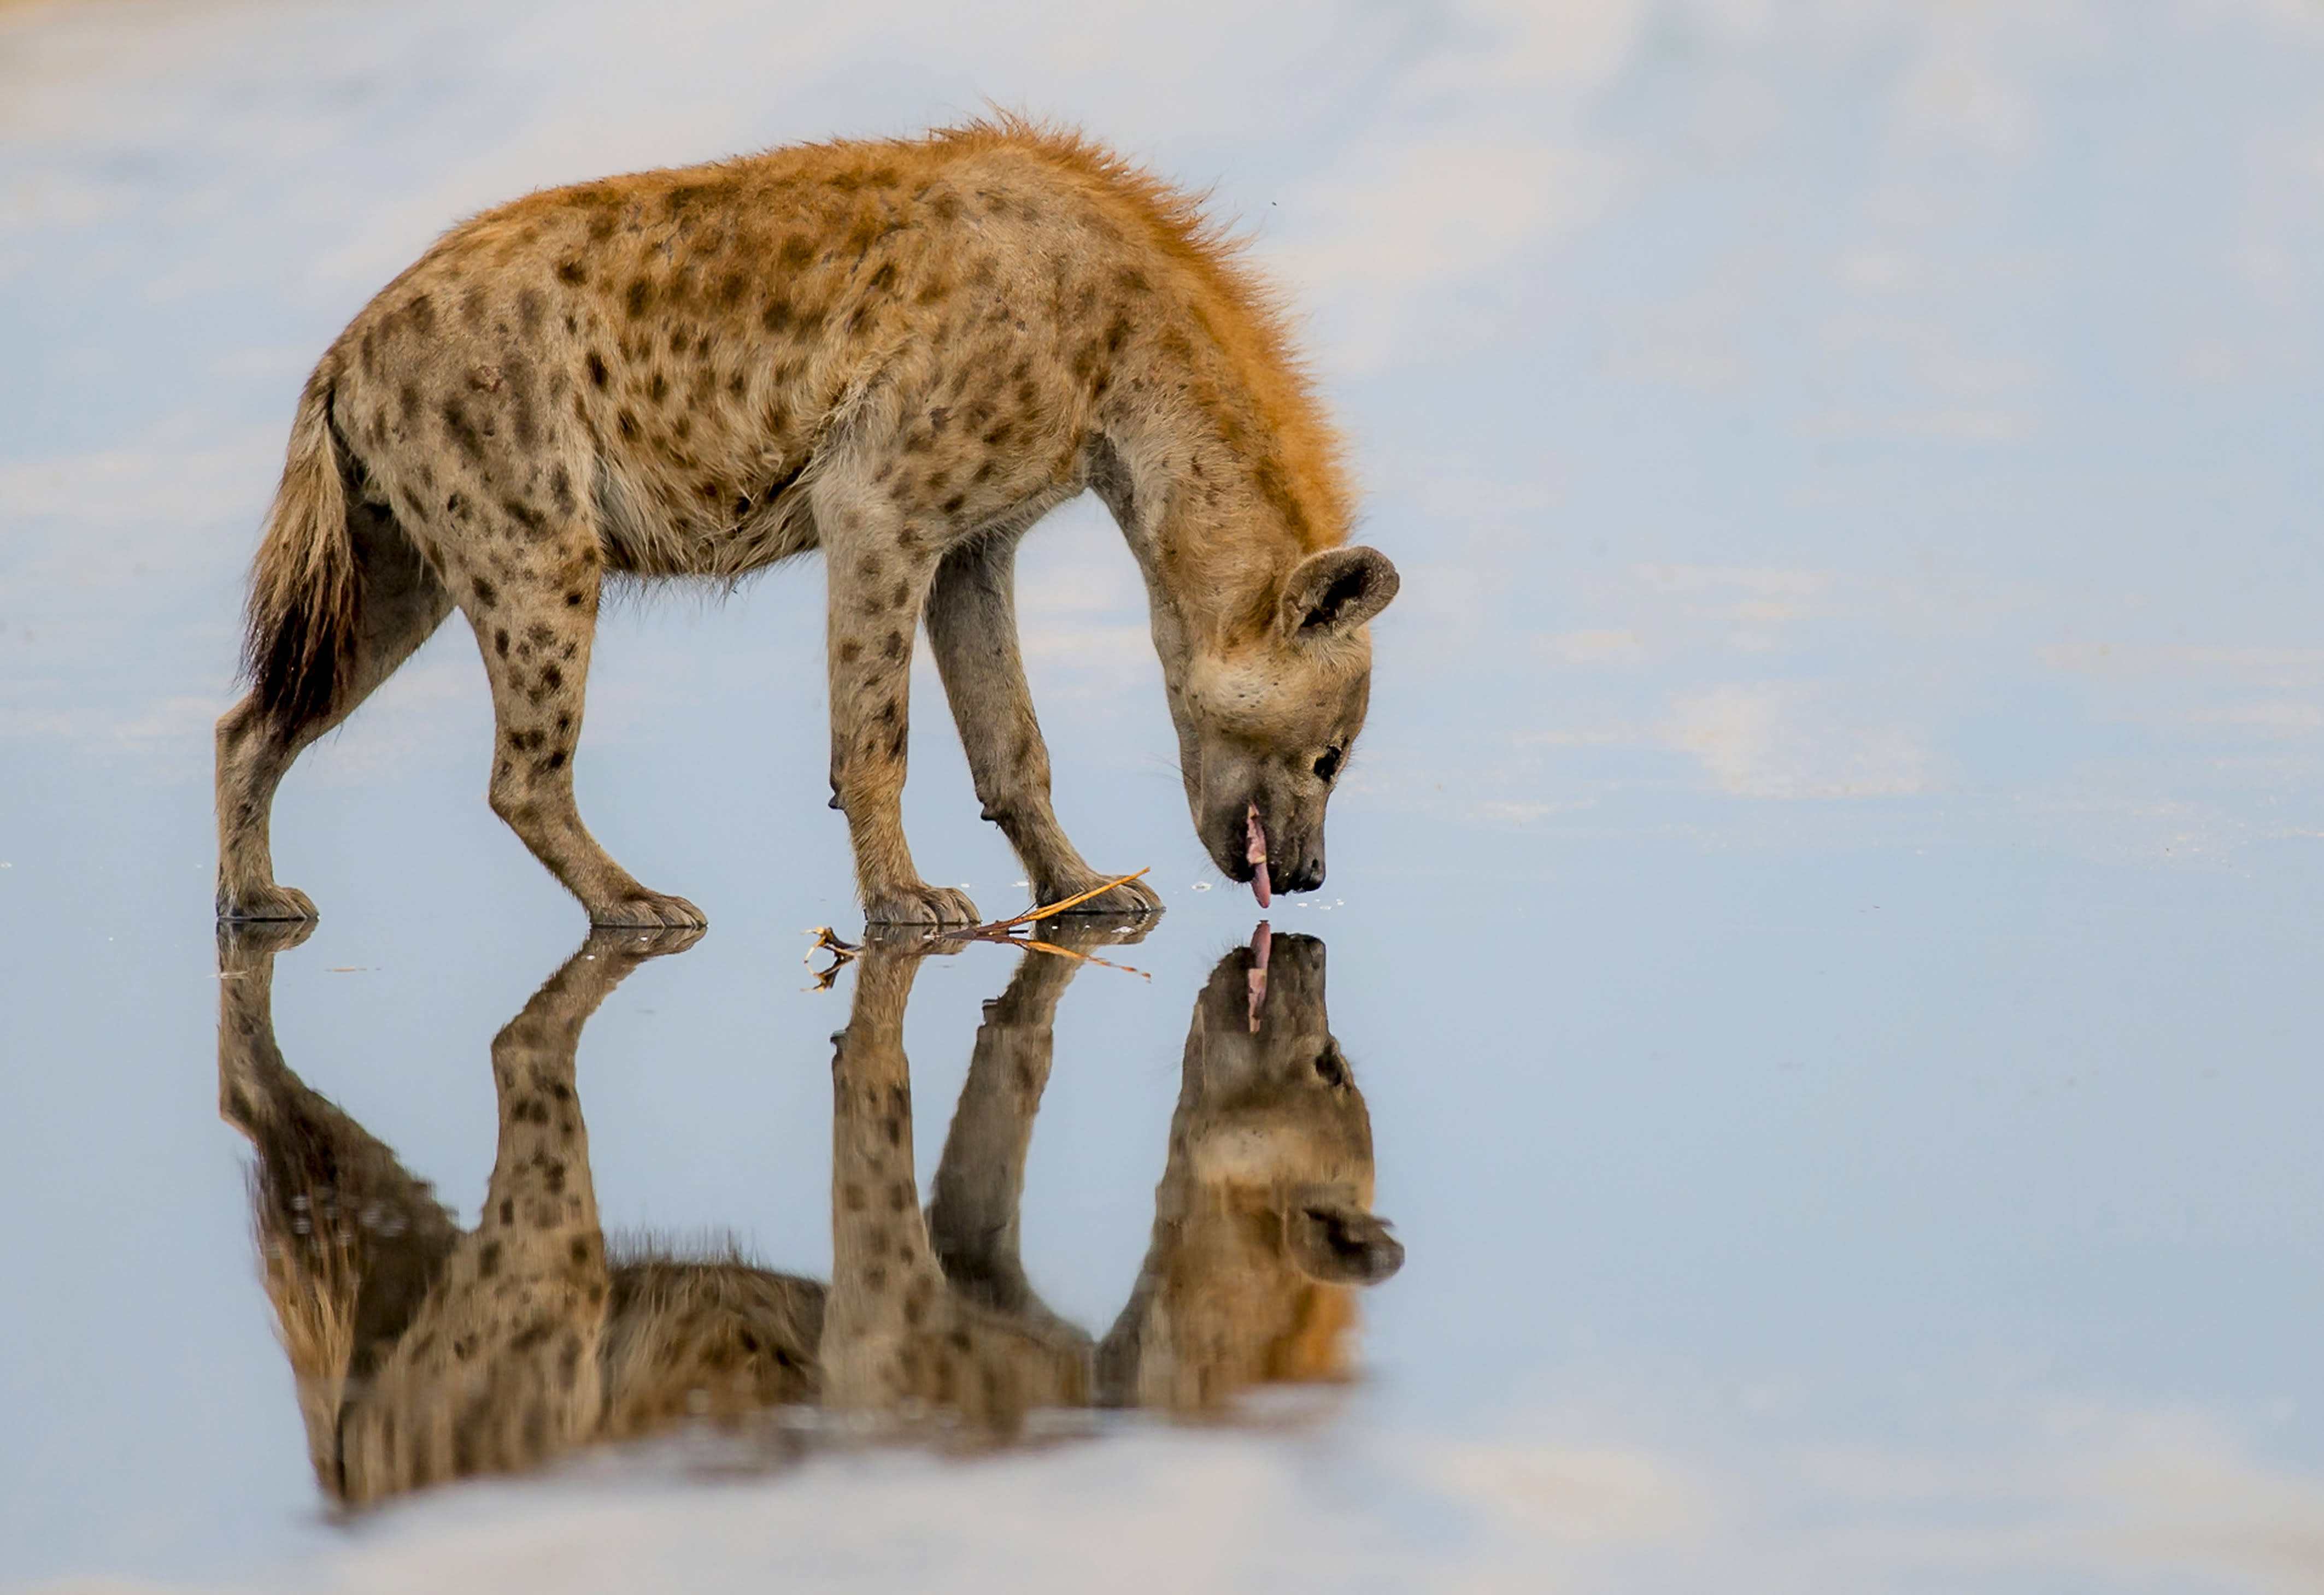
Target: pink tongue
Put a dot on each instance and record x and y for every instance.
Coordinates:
(1262, 940)
(1254, 855)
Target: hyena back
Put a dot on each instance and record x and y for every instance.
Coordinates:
(900, 353)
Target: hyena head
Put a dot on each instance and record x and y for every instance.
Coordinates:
(1265, 723)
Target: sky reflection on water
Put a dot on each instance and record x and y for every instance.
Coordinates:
(1819, 915)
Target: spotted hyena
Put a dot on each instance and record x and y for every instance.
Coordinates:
(902, 354)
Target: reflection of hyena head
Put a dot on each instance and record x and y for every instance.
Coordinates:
(1263, 1223)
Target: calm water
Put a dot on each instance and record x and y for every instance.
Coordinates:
(1822, 929)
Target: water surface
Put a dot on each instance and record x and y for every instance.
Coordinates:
(1818, 925)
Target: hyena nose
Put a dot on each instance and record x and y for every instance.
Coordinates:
(1309, 876)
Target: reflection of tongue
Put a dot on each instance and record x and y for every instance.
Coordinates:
(1261, 941)
(1254, 855)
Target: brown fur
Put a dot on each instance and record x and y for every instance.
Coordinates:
(423, 1353)
(901, 353)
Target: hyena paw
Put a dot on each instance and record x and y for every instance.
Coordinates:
(264, 904)
(650, 910)
(920, 904)
(1131, 896)
(244, 944)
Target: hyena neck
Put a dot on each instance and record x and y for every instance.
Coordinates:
(1212, 534)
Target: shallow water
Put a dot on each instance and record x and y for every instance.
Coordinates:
(1816, 924)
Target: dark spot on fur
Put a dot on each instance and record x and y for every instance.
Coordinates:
(508, 1209)
(597, 373)
(488, 1259)
(486, 594)
(797, 251)
(626, 423)
(658, 387)
(882, 280)
(951, 505)
(462, 430)
(640, 297)
(501, 640)
(850, 651)
(572, 272)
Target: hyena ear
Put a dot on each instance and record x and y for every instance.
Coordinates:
(1336, 1244)
(1333, 593)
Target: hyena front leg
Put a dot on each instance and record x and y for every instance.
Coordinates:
(878, 577)
(534, 613)
(972, 630)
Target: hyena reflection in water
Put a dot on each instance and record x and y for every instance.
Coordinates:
(422, 1352)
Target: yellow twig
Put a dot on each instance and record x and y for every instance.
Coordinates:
(1003, 926)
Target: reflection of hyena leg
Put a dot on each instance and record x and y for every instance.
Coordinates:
(534, 616)
(973, 1217)
(972, 630)
(403, 605)
(500, 1369)
(895, 1332)
(884, 1286)
(349, 1243)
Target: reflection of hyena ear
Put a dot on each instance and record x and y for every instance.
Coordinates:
(1334, 591)
(1340, 1245)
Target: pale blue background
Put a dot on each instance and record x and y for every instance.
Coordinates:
(1826, 915)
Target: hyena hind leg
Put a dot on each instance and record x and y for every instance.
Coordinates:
(403, 605)
(534, 624)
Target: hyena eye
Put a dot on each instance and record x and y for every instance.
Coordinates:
(1330, 1067)
(1328, 765)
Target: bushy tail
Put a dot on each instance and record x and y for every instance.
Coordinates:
(304, 586)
